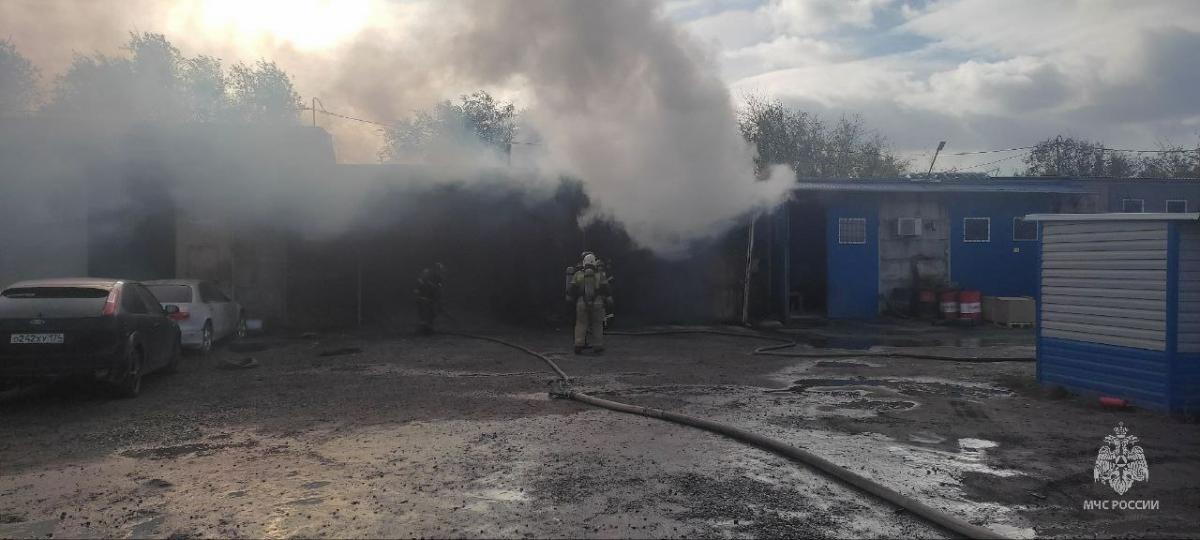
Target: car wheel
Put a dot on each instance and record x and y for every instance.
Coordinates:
(241, 328)
(206, 338)
(173, 361)
(131, 384)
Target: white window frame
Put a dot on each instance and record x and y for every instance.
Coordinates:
(842, 241)
(1167, 205)
(989, 229)
(1037, 230)
(1140, 201)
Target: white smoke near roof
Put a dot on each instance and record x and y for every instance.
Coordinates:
(620, 97)
(626, 102)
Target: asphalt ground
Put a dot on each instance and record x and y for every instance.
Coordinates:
(398, 435)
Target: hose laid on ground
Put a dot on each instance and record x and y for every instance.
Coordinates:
(787, 343)
(930, 514)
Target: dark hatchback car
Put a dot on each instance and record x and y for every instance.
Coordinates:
(112, 331)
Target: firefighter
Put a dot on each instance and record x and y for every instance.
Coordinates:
(605, 272)
(589, 291)
(429, 297)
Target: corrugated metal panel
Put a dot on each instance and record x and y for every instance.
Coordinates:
(1082, 227)
(1114, 255)
(1096, 236)
(1189, 288)
(1131, 373)
(1105, 283)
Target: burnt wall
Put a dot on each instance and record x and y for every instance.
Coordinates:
(505, 246)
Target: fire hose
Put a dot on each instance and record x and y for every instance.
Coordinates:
(563, 390)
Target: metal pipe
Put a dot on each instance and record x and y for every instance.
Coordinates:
(941, 145)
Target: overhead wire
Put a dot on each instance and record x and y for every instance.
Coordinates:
(386, 125)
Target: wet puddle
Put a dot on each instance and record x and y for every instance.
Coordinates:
(906, 387)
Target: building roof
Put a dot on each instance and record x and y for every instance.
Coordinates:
(1192, 216)
(978, 183)
(924, 185)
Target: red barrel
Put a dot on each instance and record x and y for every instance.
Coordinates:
(927, 304)
(969, 307)
(948, 304)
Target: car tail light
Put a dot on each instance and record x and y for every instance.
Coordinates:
(178, 315)
(110, 303)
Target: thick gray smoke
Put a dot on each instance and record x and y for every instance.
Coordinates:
(620, 97)
(624, 101)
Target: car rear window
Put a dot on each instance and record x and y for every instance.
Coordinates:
(52, 302)
(171, 294)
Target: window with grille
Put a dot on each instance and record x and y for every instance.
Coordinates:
(977, 229)
(1024, 229)
(1133, 206)
(1177, 206)
(852, 230)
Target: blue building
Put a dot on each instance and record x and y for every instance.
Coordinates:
(846, 248)
(1120, 307)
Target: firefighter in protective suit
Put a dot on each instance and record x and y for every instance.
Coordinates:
(429, 297)
(589, 291)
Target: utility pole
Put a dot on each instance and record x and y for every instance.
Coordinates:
(941, 145)
(315, 101)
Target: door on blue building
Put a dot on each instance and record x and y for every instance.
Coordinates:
(808, 260)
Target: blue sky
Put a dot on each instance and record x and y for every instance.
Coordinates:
(979, 74)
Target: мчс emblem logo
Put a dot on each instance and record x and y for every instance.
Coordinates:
(1121, 462)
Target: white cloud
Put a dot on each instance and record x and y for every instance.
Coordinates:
(780, 53)
(986, 73)
(811, 17)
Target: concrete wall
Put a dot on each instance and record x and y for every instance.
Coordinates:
(248, 265)
(925, 256)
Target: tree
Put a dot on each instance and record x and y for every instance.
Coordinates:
(18, 81)
(143, 85)
(154, 81)
(783, 135)
(1077, 157)
(263, 93)
(204, 86)
(1173, 162)
(477, 122)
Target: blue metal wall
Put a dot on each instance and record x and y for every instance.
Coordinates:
(1155, 194)
(1139, 375)
(1002, 266)
(1185, 384)
(853, 271)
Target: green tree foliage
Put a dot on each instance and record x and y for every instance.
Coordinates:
(154, 81)
(263, 93)
(1175, 162)
(1070, 156)
(18, 81)
(476, 121)
(813, 147)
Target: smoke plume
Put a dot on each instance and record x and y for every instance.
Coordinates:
(620, 97)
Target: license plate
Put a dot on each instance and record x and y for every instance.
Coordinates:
(36, 338)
